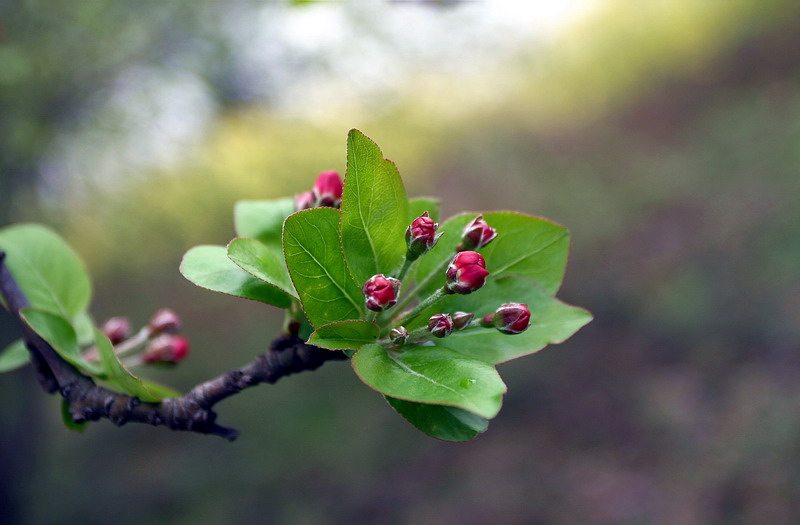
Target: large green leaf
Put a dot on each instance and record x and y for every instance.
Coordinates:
(14, 356)
(441, 422)
(429, 374)
(262, 262)
(47, 270)
(263, 219)
(320, 276)
(345, 335)
(58, 332)
(209, 267)
(374, 210)
(119, 376)
(418, 205)
(552, 321)
(529, 246)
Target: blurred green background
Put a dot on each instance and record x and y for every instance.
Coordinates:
(664, 134)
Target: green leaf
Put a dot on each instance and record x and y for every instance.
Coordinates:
(69, 421)
(262, 262)
(419, 205)
(552, 321)
(429, 374)
(58, 332)
(120, 376)
(345, 335)
(528, 246)
(14, 356)
(47, 270)
(209, 267)
(162, 391)
(320, 276)
(84, 328)
(263, 219)
(441, 422)
(374, 210)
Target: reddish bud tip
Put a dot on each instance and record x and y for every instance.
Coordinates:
(477, 234)
(164, 320)
(304, 201)
(398, 335)
(166, 348)
(512, 318)
(440, 325)
(466, 273)
(462, 319)
(117, 329)
(328, 189)
(380, 292)
(421, 235)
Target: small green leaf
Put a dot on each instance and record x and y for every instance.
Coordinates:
(320, 276)
(529, 246)
(120, 376)
(209, 267)
(428, 374)
(419, 205)
(14, 356)
(262, 262)
(47, 270)
(345, 335)
(84, 328)
(61, 336)
(159, 390)
(441, 422)
(374, 210)
(262, 219)
(69, 421)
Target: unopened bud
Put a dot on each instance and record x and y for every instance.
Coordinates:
(487, 321)
(440, 325)
(328, 189)
(477, 234)
(304, 201)
(466, 273)
(462, 319)
(117, 329)
(398, 335)
(164, 320)
(512, 318)
(421, 235)
(380, 292)
(166, 348)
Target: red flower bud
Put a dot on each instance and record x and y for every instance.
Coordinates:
(380, 292)
(304, 201)
(512, 318)
(164, 320)
(117, 329)
(398, 335)
(477, 234)
(487, 321)
(167, 348)
(328, 189)
(462, 319)
(466, 273)
(421, 235)
(440, 325)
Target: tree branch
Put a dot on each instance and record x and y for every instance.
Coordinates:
(193, 412)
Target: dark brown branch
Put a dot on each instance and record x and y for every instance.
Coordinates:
(193, 412)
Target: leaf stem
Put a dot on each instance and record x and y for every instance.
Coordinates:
(407, 262)
(422, 306)
(425, 282)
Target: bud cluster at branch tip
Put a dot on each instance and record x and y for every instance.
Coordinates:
(440, 325)
(476, 235)
(327, 191)
(117, 329)
(166, 348)
(421, 236)
(466, 273)
(380, 292)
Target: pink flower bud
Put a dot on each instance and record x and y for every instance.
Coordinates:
(421, 235)
(462, 319)
(487, 321)
(466, 273)
(117, 329)
(398, 335)
(440, 325)
(304, 201)
(167, 348)
(477, 234)
(328, 189)
(380, 292)
(164, 320)
(512, 318)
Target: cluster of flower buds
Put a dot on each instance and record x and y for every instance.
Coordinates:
(510, 318)
(380, 292)
(476, 235)
(162, 345)
(166, 348)
(421, 236)
(466, 273)
(327, 192)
